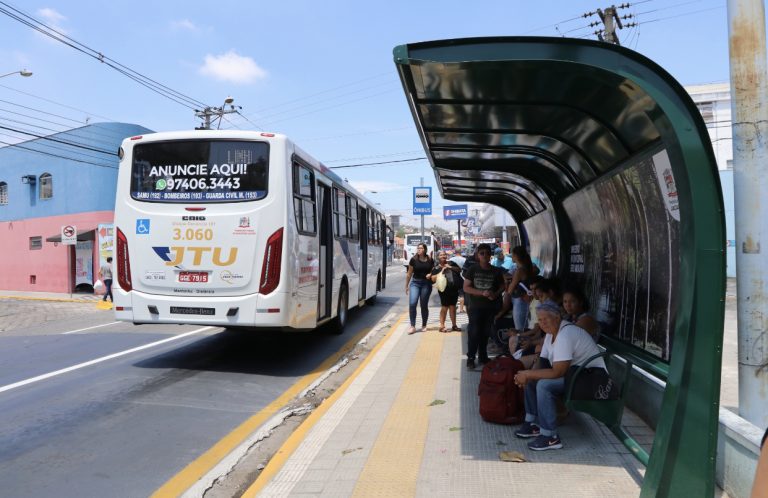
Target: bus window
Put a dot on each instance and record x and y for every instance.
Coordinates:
(304, 198)
(352, 221)
(340, 213)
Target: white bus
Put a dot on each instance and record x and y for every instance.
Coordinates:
(412, 240)
(240, 229)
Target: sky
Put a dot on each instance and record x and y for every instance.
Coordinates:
(320, 72)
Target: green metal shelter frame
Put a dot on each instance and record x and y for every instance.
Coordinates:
(607, 167)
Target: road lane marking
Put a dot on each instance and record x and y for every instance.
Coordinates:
(205, 463)
(100, 360)
(88, 328)
(305, 437)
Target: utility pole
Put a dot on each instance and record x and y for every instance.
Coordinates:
(749, 87)
(210, 113)
(611, 21)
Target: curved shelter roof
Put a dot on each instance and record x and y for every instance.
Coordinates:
(607, 167)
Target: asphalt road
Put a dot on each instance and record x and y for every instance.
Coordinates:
(125, 424)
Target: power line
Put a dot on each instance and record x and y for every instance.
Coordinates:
(372, 132)
(375, 164)
(59, 132)
(57, 155)
(57, 103)
(72, 144)
(681, 15)
(353, 83)
(374, 156)
(51, 146)
(138, 77)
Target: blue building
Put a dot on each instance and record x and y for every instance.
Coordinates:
(63, 180)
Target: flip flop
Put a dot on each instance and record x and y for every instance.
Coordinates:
(442, 329)
(456, 329)
(412, 330)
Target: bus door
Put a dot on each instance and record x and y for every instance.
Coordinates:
(326, 252)
(363, 217)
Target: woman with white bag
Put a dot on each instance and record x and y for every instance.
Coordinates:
(447, 279)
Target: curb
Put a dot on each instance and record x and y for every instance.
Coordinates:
(52, 299)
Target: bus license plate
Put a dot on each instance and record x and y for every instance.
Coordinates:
(185, 310)
(193, 276)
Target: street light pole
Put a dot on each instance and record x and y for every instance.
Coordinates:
(23, 72)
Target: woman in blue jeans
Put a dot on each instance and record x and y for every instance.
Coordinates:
(418, 286)
(519, 286)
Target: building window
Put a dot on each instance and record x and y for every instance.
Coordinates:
(46, 186)
(35, 243)
(3, 193)
(707, 110)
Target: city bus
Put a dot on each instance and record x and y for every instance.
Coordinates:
(240, 229)
(412, 240)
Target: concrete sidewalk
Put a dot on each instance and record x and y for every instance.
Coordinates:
(406, 423)
(50, 296)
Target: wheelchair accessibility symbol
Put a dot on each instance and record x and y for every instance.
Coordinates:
(142, 226)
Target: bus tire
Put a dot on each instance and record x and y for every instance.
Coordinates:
(342, 311)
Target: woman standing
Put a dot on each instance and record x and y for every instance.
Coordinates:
(450, 296)
(418, 286)
(520, 285)
(576, 308)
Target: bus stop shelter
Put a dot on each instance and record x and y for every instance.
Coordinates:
(607, 167)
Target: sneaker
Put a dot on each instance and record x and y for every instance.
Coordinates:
(470, 364)
(542, 443)
(528, 429)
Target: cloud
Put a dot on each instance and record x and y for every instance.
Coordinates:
(52, 18)
(184, 24)
(233, 68)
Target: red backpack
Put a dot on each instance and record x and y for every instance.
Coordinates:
(501, 401)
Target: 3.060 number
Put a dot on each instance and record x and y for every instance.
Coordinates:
(192, 234)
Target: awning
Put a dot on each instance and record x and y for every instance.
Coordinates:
(81, 236)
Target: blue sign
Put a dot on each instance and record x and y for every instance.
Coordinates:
(455, 212)
(422, 200)
(142, 226)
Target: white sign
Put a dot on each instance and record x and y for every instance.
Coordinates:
(69, 235)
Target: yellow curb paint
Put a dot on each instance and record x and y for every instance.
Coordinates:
(295, 439)
(193, 472)
(53, 299)
(395, 459)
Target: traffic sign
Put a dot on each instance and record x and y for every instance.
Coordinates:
(69, 234)
(455, 212)
(422, 200)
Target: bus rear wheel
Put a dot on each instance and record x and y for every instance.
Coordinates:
(341, 311)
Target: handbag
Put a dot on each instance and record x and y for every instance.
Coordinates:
(441, 282)
(591, 384)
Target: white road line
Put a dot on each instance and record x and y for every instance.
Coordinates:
(88, 328)
(99, 360)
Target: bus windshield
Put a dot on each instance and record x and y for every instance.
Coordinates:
(413, 240)
(200, 171)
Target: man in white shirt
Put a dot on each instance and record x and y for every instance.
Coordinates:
(565, 345)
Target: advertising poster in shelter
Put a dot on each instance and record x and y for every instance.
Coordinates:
(84, 263)
(106, 242)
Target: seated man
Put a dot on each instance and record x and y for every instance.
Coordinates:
(565, 345)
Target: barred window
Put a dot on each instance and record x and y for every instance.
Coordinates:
(46, 186)
(3, 193)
